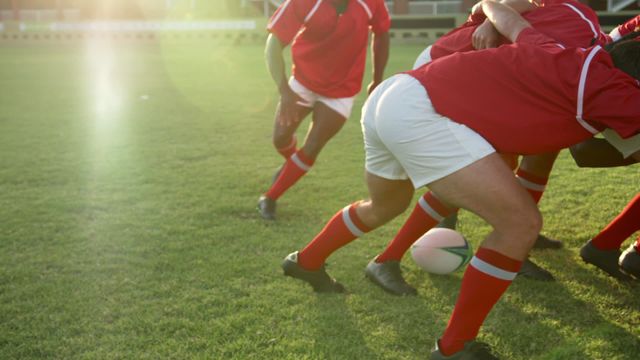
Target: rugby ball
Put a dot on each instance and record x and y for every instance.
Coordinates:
(441, 251)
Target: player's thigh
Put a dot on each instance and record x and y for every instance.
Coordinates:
(325, 124)
(387, 199)
(282, 132)
(488, 188)
(390, 192)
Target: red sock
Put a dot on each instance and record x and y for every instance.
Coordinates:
(487, 277)
(620, 228)
(429, 211)
(344, 227)
(294, 168)
(534, 184)
(290, 149)
(511, 160)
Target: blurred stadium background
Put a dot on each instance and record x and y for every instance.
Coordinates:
(240, 20)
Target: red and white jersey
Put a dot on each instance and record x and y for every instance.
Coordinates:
(626, 28)
(569, 22)
(329, 49)
(533, 96)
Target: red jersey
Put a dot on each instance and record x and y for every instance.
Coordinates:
(569, 22)
(329, 49)
(533, 96)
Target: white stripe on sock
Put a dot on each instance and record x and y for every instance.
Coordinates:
(350, 225)
(531, 185)
(491, 270)
(429, 210)
(296, 160)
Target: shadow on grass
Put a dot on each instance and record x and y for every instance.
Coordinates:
(554, 320)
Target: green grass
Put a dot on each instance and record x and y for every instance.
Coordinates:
(128, 181)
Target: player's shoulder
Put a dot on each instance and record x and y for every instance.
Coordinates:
(301, 5)
(531, 36)
(547, 3)
(374, 5)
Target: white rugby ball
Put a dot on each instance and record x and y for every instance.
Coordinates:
(441, 251)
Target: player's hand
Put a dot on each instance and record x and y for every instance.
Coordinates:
(288, 114)
(372, 86)
(485, 36)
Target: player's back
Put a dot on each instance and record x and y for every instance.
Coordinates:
(531, 97)
(569, 22)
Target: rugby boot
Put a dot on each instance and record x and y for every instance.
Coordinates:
(606, 260)
(319, 280)
(543, 242)
(388, 276)
(267, 208)
(629, 261)
(450, 222)
(533, 271)
(473, 350)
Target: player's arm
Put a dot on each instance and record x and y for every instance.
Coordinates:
(486, 36)
(520, 6)
(598, 153)
(275, 60)
(379, 56)
(276, 66)
(506, 20)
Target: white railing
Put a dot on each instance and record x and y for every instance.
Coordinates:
(44, 15)
(431, 7)
(617, 5)
(267, 5)
(415, 7)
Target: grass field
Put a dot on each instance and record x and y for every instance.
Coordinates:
(129, 174)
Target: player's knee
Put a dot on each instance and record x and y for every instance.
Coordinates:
(281, 140)
(384, 211)
(522, 223)
(530, 225)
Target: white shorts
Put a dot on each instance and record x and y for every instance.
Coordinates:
(342, 106)
(404, 137)
(423, 58)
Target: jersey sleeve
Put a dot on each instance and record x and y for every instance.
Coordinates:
(380, 20)
(626, 28)
(534, 37)
(611, 100)
(626, 147)
(287, 20)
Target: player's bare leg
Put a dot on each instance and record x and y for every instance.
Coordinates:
(503, 204)
(533, 173)
(325, 123)
(388, 199)
(516, 222)
(451, 221)
(283, 140)
(284, 134)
